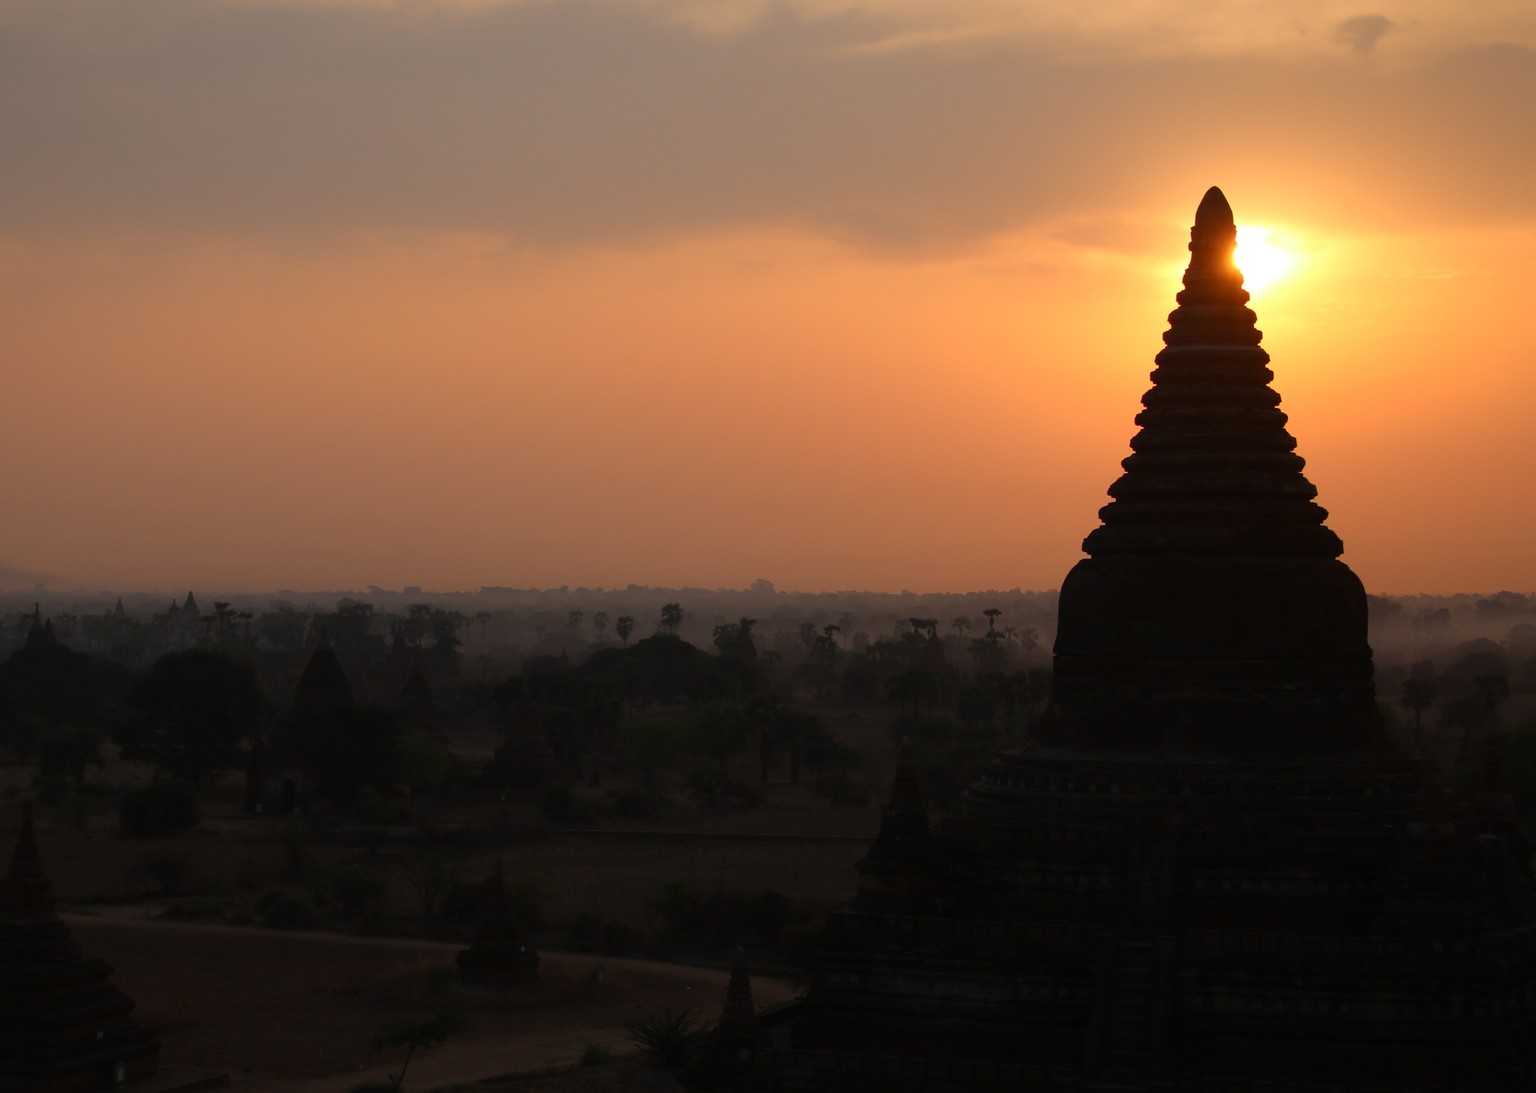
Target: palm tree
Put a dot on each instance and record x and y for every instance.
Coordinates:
(671, 617)
(624, 627)
(1418, 695)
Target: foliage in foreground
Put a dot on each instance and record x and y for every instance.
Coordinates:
(668, 1037)
(416, 1036)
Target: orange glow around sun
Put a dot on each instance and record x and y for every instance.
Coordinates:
(1264, 256)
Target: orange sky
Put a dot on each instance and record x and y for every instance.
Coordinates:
(580, 292)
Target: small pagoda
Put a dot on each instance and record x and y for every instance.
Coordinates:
(726, 1051)
(524, 760)
(499, 956)
(64, 1028)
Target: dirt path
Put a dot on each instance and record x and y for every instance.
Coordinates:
(296, 1011)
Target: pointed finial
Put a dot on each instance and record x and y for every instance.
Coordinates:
(26, 864)
(1214, 212)
(1212, 241)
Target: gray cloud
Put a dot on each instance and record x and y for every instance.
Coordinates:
(1361, 32)
(592, 123)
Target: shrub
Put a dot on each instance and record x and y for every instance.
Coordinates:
(710, 786)
(290, 911)
(923, 728)
(560, 802)
(368, 805)
(596, 1056)
(669, 1037)
(707, 786)
(167, 870)
(592, 934)
(355, 891)
(721, 916)
(638, 804)
(159, 808)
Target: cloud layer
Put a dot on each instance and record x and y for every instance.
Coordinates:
(593, 123)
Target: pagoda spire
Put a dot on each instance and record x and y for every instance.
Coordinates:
(1213, 469)
(1212, 583)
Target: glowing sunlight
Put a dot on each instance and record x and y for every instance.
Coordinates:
(1264, 256)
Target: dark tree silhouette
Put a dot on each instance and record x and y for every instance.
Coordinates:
(624, 627)
(192, 710)
(671, 617)
(1418, 695)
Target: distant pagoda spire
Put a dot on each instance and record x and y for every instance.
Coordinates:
(1212, 601)
(900, 865)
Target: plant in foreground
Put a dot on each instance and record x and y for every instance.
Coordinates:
(416, 1036)
(668, 1037)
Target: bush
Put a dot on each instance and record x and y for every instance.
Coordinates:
(923, 729)
(723, 917)
(463, 901)
(354, 891)
(592, 934)
(710, 786)
(166, 870)
(638, 804)
(368, 805)
(596, 1056)
(669, 1037)
(560, 803)
(159, 808)
(290, 911)
(843, 790)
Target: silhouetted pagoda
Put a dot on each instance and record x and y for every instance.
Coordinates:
(1211, 870)
(277, 781)
(64, 1028)
(499, 955)
(524, 758)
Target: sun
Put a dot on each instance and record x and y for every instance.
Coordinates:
(1264, 256)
